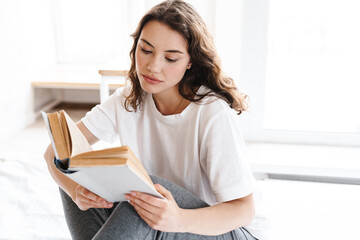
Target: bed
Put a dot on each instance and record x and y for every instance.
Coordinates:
(30, 203)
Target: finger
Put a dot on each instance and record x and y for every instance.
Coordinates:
(144, 205)
(92, 200)
(92, 204)
(92, 196)
(150, 222)
(85, 200)
(83, 203)
(88, 194)
(163, 191)
(143, 212)
(148, 217)
(154, 201)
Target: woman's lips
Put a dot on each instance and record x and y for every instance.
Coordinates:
(151, 80)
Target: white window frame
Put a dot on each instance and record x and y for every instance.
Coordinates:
(133, 10)
(252, 81)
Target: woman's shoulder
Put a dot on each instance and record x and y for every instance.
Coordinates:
(213, 109)
(120, 94)
(115, 102)
(212, 102)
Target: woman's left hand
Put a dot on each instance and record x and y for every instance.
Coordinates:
(161, 214)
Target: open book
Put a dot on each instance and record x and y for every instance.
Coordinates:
(109, 173)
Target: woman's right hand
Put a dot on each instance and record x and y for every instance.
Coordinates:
(86, 199)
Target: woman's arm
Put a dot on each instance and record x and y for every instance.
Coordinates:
(64, 182)
(220, 218)
(81, 196)
(165, 215)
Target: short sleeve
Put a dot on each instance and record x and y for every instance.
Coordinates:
(223, 154)
(101, 121)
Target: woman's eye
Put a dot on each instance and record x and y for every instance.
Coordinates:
(145, 51)
(171, 60)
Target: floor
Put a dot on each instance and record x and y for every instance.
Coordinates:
(297, 210)
(306, 210)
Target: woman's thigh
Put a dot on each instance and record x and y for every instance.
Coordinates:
(83, 224)
(125, 223)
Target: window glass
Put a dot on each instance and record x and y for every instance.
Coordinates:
(90, 28)
(312, 76)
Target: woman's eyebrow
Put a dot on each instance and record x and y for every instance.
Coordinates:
(174, 51)
(146, 42)
(171, 51)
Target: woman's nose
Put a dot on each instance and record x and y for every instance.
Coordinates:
(154, 65)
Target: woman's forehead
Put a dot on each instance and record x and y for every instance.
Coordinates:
(159, 35)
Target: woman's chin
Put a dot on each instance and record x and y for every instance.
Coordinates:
(149, 88)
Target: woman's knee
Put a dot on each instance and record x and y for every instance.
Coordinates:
(183, 198)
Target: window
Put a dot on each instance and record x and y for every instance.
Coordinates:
(90, 31)
(302, 70)
(98, 32)
(312, 77)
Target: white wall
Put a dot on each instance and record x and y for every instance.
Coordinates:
(26, 47)
(28, 50)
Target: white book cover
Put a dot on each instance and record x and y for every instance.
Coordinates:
(108, 182)
(112, 182)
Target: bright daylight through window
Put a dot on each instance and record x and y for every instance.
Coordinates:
(313, 77)
(82, 36)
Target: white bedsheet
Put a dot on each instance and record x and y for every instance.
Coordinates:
(30, 205)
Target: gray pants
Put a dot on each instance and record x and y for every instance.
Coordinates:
(122, 221)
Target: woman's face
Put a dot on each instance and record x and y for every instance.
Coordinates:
(161, 58)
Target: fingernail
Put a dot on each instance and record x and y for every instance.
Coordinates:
(133, 193)
(127, 197)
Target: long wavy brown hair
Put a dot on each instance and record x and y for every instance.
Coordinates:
(206, 67)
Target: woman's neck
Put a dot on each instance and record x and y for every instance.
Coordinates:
(169, 104)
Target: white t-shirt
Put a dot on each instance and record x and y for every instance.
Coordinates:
(201, 149)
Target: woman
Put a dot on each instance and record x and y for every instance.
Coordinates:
(179, 117)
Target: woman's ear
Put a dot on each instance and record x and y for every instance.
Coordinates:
(189, 66)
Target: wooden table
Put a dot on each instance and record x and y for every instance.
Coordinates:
(108, 80)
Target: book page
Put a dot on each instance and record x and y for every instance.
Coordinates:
(58, 135)
(79, 143)
(65, 130)
(46, 120)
